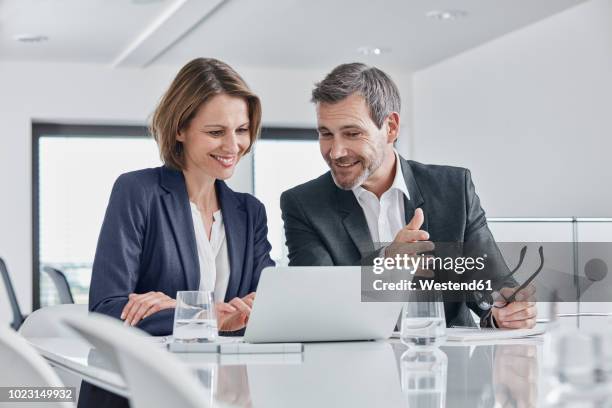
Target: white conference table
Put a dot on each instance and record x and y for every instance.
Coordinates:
(504, 373)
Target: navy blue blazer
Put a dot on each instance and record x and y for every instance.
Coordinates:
(147, 243)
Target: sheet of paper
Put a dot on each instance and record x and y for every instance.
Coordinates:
(477, 334)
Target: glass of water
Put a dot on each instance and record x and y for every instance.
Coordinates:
(423, 377)
(423, 321)
(195, 320)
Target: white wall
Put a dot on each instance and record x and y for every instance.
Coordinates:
(529, 114)
(94, 94)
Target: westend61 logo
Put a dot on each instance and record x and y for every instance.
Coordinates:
(413, 263)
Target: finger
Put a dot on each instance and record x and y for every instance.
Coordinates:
(523, 324)
(417, 220)
(506, 292)
(513, 308)
(504, 296)
(527, 293)
(145, 307)
(132, 298)
(165, 304)
(138, 300)
(248, 301)
(249, 296)
(408, 235)
(240, 305)
(529, 313)
(224, 308)
(414, 247)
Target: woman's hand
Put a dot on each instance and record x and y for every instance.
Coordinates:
(234, 315)
(141, 306)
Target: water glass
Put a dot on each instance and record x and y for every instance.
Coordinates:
(423, 377)
(423, 321)
(195, 320)
(580, 363)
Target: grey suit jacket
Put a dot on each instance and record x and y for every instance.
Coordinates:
(324, 225)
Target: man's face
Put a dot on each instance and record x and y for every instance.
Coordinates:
(350, 142)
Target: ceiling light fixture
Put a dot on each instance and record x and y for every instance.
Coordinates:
(446, 15)
(31, 38)
(145, 2)
(367, 50)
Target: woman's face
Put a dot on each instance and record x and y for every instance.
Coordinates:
(217, 136)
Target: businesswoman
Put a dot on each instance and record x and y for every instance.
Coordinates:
(179, 226)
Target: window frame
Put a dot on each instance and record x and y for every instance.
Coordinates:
(47, 129)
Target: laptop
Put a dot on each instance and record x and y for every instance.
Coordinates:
(308, 304)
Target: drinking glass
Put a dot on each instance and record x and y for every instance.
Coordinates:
(195, 320)
(423, 377)
(423, 321)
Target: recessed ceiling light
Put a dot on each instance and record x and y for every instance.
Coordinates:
(446, 14)
(31, 38)
(144, 2)
(367, 50)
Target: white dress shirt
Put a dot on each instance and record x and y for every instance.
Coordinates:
(212, 254)
(386, 216)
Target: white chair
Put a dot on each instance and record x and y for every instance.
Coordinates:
(23, 367)
(47, 321)
(154, 377)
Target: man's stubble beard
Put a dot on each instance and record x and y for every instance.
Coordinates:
(365, 174)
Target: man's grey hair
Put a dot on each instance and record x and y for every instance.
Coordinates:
(376, 87)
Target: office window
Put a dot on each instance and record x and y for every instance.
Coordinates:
(283, 158)
(74, 170)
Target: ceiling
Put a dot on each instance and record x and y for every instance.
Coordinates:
(261, 33)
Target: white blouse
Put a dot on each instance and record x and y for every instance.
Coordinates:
(212, 254)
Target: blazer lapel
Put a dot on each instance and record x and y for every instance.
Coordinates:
(416, 198)
(234, 221)
(354, 221)
(178, 211)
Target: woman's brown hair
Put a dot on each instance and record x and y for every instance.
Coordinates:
(196, 83)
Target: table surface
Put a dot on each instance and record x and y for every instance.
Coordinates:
(347, 374)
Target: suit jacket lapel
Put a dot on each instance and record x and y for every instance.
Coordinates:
(354, 221)
(234, 221)
(416, 198)
(178, 211)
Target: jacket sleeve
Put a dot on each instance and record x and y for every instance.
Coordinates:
(261, 246)
(305, 246)
(118, 256)
(478, 241)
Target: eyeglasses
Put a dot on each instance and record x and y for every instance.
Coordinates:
(486, 300)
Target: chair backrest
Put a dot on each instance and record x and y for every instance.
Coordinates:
(23, 367)
(61, 284)
(47, 321)
(12, 297)
(153, 376)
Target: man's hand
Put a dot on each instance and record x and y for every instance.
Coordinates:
(520, 314)
(412, 231)
(411, 240)
(141, 306)
(234, 315)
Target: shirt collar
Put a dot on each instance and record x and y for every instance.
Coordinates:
(399, 182)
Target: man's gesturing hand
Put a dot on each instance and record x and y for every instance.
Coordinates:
(412, 240)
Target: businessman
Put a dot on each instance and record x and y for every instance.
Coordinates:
(373, 195)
